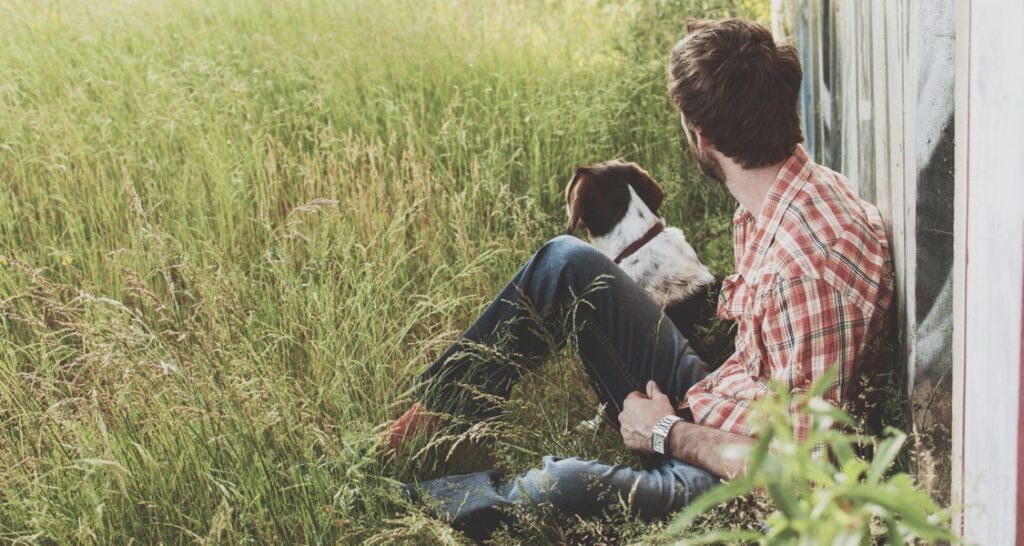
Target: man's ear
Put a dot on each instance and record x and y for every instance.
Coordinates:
(573, 203)
(648, 190)
(698, 138)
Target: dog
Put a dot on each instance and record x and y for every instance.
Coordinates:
(617, 203)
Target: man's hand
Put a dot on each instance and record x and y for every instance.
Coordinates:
(639, 414)
(694, 444)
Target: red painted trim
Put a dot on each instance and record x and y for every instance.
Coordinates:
(1020, 419)
(967, 253)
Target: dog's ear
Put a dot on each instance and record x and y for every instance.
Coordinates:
(645, 186)
(596, 200)
(573, 203)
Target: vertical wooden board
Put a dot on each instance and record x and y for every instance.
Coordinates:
(880, 153)
(865, 152)
(848, 51)
(906, 34)
(812, 74)
(891, 60)
(928, 156)
(962, 100)
(994, 239)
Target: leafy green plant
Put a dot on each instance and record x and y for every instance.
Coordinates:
(818, 499)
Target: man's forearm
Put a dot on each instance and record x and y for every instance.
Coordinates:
(702, 446)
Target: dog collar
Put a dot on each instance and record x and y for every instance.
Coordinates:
(639, 243)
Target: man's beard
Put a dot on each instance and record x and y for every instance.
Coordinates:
(708, 164)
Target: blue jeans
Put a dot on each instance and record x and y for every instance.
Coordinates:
(567, 290)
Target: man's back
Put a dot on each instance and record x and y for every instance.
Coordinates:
(812, 286)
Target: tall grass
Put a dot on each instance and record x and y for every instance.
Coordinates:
(232, 232)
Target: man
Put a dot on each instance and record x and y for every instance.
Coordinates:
(812, 287)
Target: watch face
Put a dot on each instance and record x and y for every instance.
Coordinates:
(659, 444)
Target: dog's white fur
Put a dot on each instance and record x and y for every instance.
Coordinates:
(666, 267)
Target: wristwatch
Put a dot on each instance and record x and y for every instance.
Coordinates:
(660, 432)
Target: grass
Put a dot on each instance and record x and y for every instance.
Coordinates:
(232, 232)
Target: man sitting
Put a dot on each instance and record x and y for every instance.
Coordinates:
(812, 286)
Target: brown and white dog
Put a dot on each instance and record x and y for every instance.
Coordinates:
(617, 203)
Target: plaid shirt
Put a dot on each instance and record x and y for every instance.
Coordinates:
(812, 286)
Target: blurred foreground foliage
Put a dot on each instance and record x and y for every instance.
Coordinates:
(822, 491)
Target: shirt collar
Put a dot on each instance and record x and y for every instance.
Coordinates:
(780, 194)
(742, 216)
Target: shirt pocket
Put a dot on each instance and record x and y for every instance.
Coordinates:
(736, 298)
(743, 299)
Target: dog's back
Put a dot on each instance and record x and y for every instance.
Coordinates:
(668, 268)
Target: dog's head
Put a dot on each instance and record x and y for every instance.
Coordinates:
(598, 196)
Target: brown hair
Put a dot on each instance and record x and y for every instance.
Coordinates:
(730, 79)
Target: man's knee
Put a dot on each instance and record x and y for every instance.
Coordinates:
(567, 254)
(565, 247)
(586, 487)
(571, 485)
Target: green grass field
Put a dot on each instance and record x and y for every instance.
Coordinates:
(232, 232)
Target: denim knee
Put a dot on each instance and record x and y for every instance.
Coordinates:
(583, 487)
(568, 249)
(573, 260)
(567, 484)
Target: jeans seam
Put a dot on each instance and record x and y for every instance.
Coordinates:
(610, 349)
(593, 371)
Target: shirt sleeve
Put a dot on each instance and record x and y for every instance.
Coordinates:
(808, 328)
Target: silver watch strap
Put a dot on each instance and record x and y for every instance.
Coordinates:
(660, 432)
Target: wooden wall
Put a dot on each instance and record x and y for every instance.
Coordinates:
(988, 449)
(921, 104)
(877, 105)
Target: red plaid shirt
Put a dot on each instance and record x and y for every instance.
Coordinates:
(812, 286)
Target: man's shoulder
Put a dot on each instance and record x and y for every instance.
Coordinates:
(829, 234)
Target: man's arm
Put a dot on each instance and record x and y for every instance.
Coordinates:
(807, 328)
(694, 444)
(702, 446)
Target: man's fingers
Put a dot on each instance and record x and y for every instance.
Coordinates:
(652, 389)
(635, 394)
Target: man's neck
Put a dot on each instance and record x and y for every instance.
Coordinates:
(749, 186)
